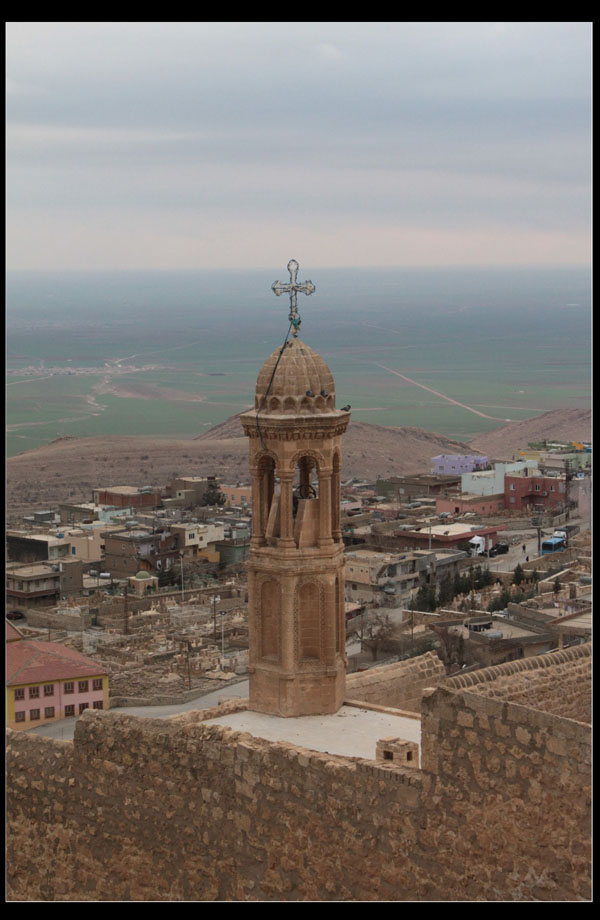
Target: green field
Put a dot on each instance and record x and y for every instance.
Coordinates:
(509, 344)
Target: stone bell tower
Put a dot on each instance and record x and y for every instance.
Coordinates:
(296, 564)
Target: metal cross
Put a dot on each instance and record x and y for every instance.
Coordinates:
(292, 289)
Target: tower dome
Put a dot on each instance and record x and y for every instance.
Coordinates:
(295, 381)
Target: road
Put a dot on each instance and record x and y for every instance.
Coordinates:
(65, 728)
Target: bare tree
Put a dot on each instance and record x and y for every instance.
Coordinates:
(377, 631)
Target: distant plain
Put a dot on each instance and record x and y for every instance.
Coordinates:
(508, 343)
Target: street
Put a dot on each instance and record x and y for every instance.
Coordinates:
(64, 729)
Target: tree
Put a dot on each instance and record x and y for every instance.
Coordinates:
(446, 593)
(213, 495)
(426, 598)
(518, 575)
(377, 631)
(451, 648)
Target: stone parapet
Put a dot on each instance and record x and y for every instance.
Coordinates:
(399, 685)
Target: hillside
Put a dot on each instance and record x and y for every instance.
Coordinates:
(70, 468)
(559, 424)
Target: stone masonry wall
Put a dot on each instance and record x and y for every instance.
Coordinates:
(528, 774)
(399, 685)
(143, 809)
(559, 683)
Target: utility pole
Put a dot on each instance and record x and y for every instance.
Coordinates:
(126, 611)
(536, 522)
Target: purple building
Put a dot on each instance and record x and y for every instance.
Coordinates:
(456, 464)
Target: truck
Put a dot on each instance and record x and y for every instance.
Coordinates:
(566, 532)
(477, 546)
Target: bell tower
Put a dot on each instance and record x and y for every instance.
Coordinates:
(296, 564)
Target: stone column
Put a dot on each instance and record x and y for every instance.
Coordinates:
(286, 534)
(325, 537)
(258, 527)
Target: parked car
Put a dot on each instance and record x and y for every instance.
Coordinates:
(15, 615)
(499, 549)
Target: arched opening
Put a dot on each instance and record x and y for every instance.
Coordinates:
(274, 404)
(266, 491)
(305, 502)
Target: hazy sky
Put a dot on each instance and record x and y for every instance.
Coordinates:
(192, 145)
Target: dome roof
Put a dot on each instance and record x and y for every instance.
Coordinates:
(302, 382)
(142, 574)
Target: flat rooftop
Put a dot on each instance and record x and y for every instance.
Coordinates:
(350, 732)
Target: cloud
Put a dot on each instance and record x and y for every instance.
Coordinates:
(433, 126)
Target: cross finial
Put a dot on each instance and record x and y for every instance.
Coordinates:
(292, 289)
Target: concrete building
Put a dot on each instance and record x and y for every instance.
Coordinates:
(491, 482)
(37, 547)
(452, 464)
(392, 579)
(237, 495)
(128, 551)
(32, 585)
(465, 502)
(47, 681)
(192, 537)
(129, 497)
(443, 536)
(424, 485)
(530, 491)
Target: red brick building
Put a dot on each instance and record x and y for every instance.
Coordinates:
(526, 492)
(128, 497)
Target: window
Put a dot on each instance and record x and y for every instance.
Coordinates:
(20, 693)
(83, 707)
(83, 686)
(512, 487)
(97, 683)
(34, 714)
(19, 716)
(48, 689)
(537, 488)
(49, 712)
(34, 693)
(98, 704)
(69, 711)
(69, 687)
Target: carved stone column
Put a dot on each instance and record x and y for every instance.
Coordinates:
(286, 538)
(325, 537)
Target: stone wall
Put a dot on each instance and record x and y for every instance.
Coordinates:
(559, 683)
(399, 685)
(144, 809)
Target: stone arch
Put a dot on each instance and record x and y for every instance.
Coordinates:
(316, 455)
(266, 467)
(331, 401)
(274, 404)
(289, 404)
(320, 404)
